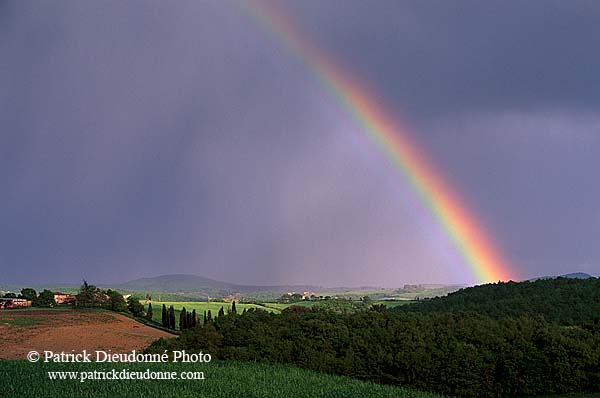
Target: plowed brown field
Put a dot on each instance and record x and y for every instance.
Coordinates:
(69, 330)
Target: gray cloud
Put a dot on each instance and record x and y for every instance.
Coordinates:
(141, 138)
(432, 57)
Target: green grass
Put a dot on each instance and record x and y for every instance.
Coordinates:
(60, 308)
(14, 317)
(387, 303)
(23, 322)
(222, 380)
(282, 306)
(200, 307)
(357, 293)
(393, 303)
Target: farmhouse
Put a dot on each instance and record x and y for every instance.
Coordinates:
(64, 298)
(14, 303)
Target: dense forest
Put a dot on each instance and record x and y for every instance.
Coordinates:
(565, 301)
(467, 344)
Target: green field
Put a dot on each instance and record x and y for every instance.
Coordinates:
(387, 303)
(222, 380)
(200, 307)
(20, 321)
(283, 306)
(394, 303)
(35, 316)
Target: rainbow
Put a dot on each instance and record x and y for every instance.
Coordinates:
(481, 256)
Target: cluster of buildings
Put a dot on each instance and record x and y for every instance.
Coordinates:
(64, 298)
(293, 297)
(14, 303)
(59, 298)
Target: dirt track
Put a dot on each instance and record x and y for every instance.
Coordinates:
(22, 331)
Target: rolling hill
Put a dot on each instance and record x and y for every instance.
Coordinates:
(573, 275)
(183, 283)
(566, 301)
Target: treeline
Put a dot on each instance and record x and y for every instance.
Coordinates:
(465, 355)
(187, 319)
(565, 301)
(487, 341)
(90, 296)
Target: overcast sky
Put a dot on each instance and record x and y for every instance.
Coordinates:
(143, 138)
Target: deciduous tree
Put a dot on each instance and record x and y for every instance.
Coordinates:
(116, 301)
(134, 306)
(45, 299)
(29, 293)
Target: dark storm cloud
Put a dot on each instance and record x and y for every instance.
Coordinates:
(532, 178)
(504, 95)
(432, 57)
(144, 138)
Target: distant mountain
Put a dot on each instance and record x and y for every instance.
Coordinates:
(573, 275)
(175, 283)
(182, 283)
(577, 275)
(183, 287)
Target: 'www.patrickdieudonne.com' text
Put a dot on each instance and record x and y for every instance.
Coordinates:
(125, 374)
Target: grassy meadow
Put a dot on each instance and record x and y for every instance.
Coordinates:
(222, 380)
(393, 303)
(282, 306)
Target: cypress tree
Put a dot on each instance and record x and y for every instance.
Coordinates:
(172, 317)
(205, 320)
(149, 313)
(233, 309)
(221, 312)
(194, 318)
(165, 321)
(182, 319)
(209, 319)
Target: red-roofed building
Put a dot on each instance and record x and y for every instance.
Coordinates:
(64, 298)
(14, 303)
